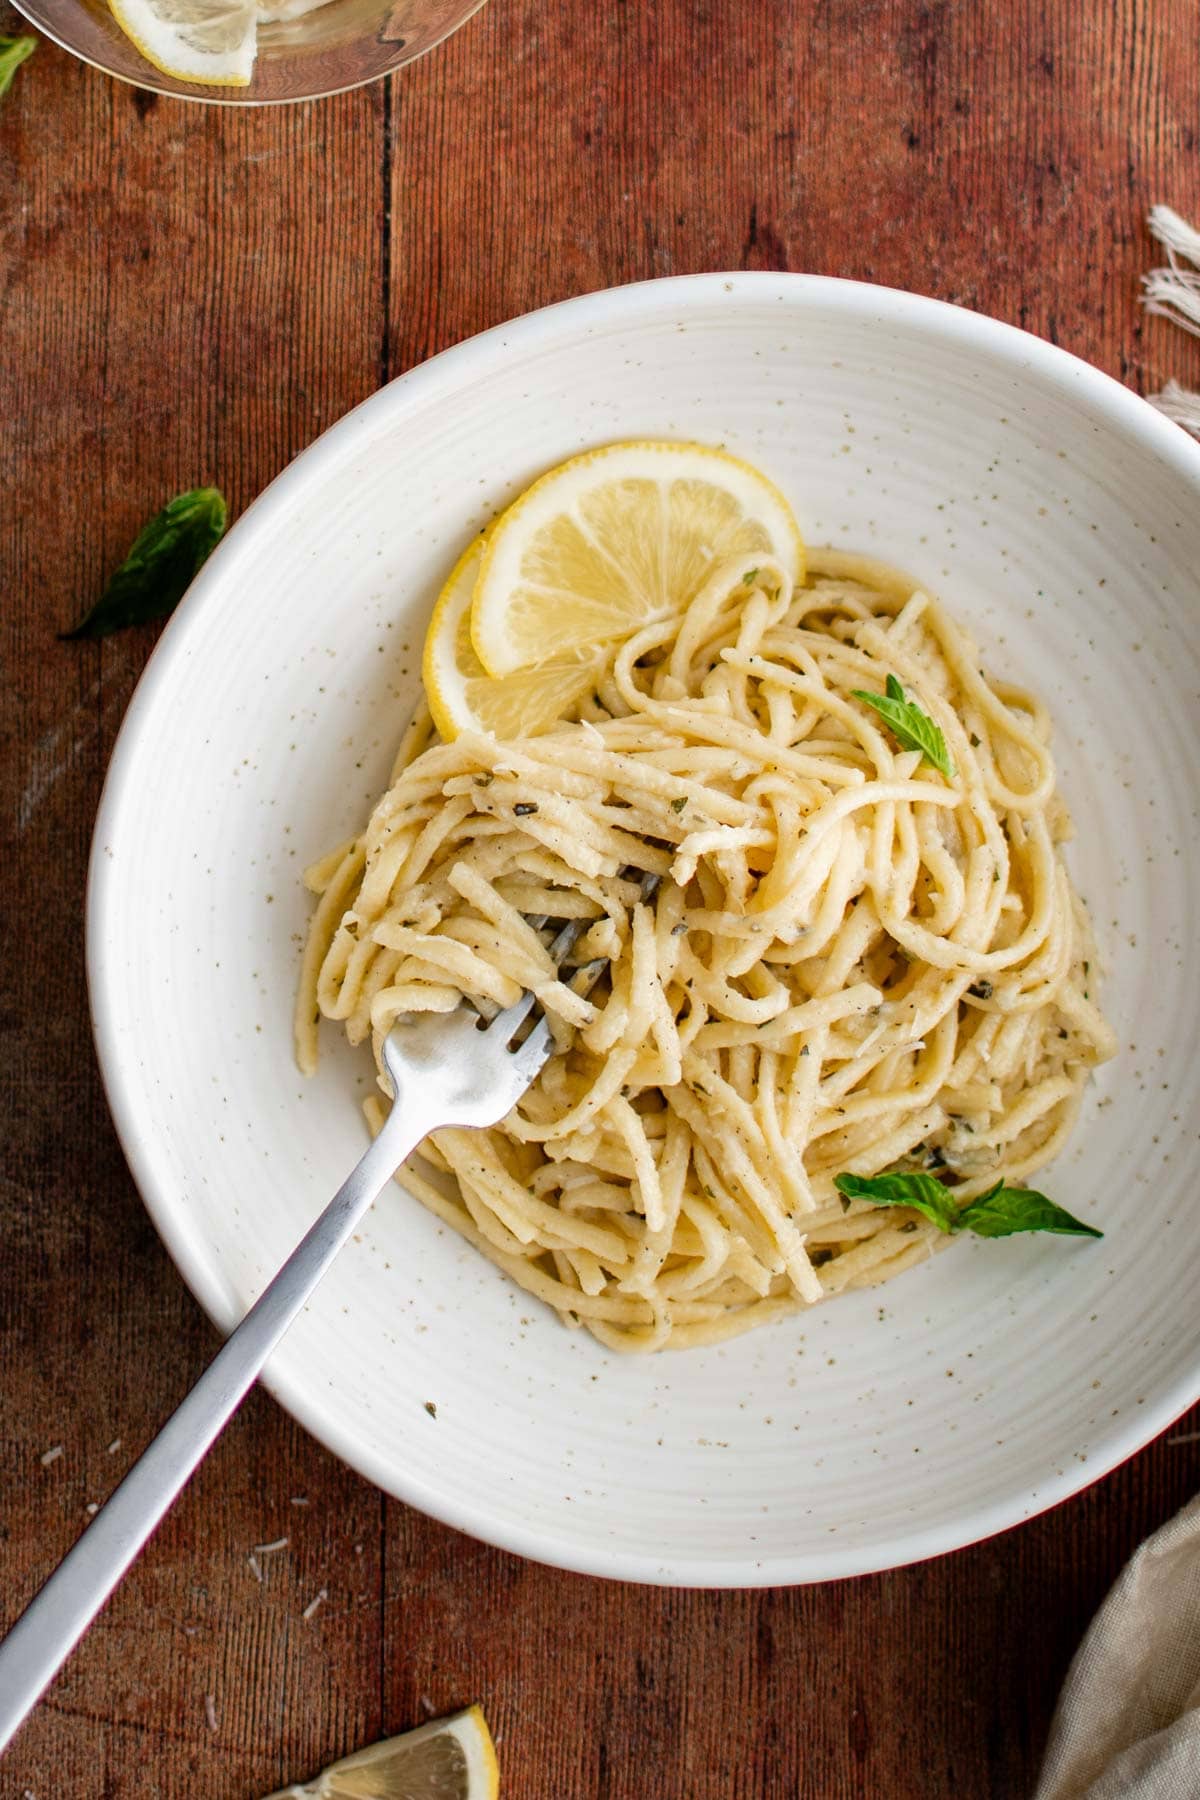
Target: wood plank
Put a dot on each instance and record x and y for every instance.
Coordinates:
(192, 295)
(176, 288)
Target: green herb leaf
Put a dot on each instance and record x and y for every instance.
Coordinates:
(1003, 1210)
(998, 1213)
(915, 729)
(921, 1192)
(13, 52)
(165, 557)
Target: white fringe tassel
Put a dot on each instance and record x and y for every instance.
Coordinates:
(1174, 293)
(1180, 404)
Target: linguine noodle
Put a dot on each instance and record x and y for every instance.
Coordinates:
(849, 961)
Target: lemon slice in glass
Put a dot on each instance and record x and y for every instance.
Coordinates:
(208, 41)
(464, 697)
(614, 538)
(448, 1759)
(272, 11)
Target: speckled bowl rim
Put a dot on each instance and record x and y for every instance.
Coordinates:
(1131, 419)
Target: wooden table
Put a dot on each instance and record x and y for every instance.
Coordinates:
(191, 295)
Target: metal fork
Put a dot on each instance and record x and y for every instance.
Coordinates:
(447, 1069)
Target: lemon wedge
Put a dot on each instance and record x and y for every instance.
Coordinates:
(464, 697)
(614, 538)
(212, 42)
(448, 1759)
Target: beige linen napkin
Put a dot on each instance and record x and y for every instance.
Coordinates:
(1128, 1719)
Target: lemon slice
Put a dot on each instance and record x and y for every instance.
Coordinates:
(614, 538)
(271, 12)
(464, 697)
(208, 41)
(448, 1759)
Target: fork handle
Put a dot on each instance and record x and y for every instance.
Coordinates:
(46, 1633)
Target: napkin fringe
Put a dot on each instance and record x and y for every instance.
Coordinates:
(1173, 292)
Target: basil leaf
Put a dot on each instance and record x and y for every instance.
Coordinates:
(1003, 1210)
(922, 1192)
(13, 52)
(1000, 1212)
(915, 729)
(165, 557)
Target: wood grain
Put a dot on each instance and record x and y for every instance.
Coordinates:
(190, 296)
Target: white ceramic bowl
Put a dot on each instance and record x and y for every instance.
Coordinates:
(1055, 511)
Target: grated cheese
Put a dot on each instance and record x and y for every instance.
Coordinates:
(318, 1599)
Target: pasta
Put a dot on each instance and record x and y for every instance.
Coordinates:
(820, 954)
